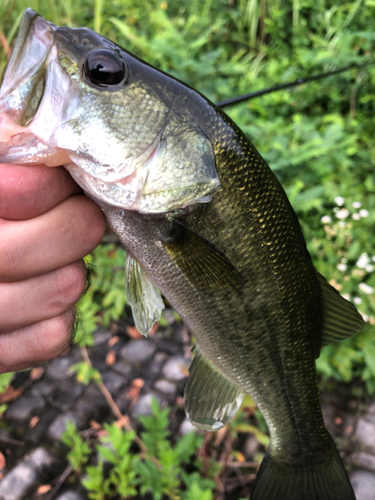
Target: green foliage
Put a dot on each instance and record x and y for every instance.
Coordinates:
(105, 300)
(197, 487)
(85, 373)
(122, 471)
(318, 137)
(5, 381)
(165, 479)
(121, 476)
(80, 450)
(3, 409)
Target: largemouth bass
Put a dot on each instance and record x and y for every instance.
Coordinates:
(205, 222)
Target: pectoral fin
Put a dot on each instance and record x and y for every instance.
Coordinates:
(142, 295)
(211, 400)
(341, 318)
(201, 262)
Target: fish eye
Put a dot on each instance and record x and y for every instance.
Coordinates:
(104, 68)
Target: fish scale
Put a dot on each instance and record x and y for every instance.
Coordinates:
(278, 243)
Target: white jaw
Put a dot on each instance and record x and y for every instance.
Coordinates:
(29, 110)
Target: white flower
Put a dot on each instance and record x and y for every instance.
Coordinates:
(339, 200)
(364, 213)
(357, 204)
(336, 209)
(342, 267)
(366, 288)
(346, 296)
(357, 300)
(343, 213)
(365, 317)
(363, 261)
(356, 216)
(326, 219)
(342, 223)
(369, 268)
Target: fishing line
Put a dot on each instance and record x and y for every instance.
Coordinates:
(282, 86)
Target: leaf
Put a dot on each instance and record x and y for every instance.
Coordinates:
(194, 491)
(36, 372)
(135, 389)
(85, 373)
(187, 445)
(110, 358)
(106, 453)
(44, 488)
(10, 394)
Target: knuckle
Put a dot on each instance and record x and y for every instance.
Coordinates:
(55, 336)
(69, 285)
(36, 343)
(93, 224)
(7, 253)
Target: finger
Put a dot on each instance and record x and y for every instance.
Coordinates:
(63, 235)
(36, 343)
(30, 301)
(28, 191)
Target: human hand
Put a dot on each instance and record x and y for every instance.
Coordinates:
(46, 227)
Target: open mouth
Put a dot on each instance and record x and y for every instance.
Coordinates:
(24, 79)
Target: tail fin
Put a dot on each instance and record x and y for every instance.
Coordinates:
(277, 480)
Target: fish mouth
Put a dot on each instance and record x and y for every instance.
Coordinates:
(24, 79)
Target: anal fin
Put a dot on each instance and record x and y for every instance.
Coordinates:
(142, 295)
(211, 400)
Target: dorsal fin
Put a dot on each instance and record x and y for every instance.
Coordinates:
(341, 318)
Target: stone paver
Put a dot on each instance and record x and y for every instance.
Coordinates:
(24, 408)
(21, 479)
(124, 369)
(101, 336)
(59, 368)
(138, 351)
(58, 426)
(143, 406)
(69, 495)
(363, 484)
(41, 389)
(365, 460)
(18, 482)
(165, 387)
(40, 459)
(176, 368)
(365, 432)
(113, 381)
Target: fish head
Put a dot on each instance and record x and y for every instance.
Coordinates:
(123, 129)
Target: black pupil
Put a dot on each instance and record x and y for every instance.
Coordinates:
(104, 67)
